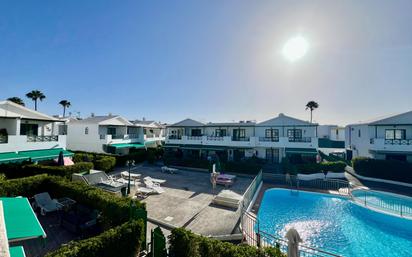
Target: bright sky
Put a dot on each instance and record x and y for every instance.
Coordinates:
(209, 60)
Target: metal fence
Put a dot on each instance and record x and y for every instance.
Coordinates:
(251, 190)
(258, 238)
(371, 200)
(340, 186)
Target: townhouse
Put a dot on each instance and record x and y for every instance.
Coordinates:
(26, 135)
(388, 138)
(271, 140)
(112, 134)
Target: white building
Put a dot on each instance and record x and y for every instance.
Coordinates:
(331, 132)
(111, 134)
(25, 134)
(270, 140)
(384, 138)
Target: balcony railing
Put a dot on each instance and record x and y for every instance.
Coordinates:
(194, 138)
(214, 138)
(4, 139)
(392, 141)
(133, 135)
(269, 139)
(300, 139)
(174, 137)
(42, 138)
(240, 138)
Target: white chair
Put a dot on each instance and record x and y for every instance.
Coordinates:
(153, 185)
(155, 180)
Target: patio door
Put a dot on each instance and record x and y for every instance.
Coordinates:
(272, 155)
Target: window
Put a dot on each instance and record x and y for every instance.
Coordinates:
(239, 133)
(196, 132)
(86, 130)
(111, 131)
(271, 133)
(29, 129)
(220, 132)
(294, 133)
(392, 134)
(359, 133)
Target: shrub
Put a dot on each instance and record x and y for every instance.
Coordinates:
(18, 170)
(125, 240)
(83, 157)
(310, 168)
(105, 163)
(184, 243)
(383, 169)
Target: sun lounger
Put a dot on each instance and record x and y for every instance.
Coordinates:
(166, 169)
(153, 185)
(45, 203)
(126, 181)
(125, 174)
(155, 180)
(225, 179)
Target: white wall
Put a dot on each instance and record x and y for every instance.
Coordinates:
(360, 145)
(78, 140)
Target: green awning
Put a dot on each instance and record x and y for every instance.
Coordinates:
(21, 221)
(125, 145)
(12, 157)
(17, 251)
(48, 154)
(301, 151)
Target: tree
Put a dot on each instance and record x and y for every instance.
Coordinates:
(16, 100)
(35, 95)
(311, 105)
(65, 104)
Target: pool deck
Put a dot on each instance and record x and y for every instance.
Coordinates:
(187, 201)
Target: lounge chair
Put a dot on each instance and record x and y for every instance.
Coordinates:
(155, 180)
(125, 181)
(225, 179)
(153, 185)
(169, 170)
(45, 203)
(125, 175)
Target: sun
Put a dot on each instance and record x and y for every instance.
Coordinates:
(295, 48)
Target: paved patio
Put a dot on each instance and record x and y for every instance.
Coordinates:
(187, 201)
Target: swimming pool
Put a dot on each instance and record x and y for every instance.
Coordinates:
(335, 224)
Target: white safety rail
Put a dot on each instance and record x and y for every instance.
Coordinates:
(4, 242)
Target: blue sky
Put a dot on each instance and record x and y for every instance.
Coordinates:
(209, 60)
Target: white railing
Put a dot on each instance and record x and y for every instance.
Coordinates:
(340, 186)
(372, 200)
(194, 137)
(42, 138)
(251, 190)
(214, 138)
(253, 235)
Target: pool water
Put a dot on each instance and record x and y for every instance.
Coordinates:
(335, 224)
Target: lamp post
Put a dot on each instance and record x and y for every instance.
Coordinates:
(129, 163)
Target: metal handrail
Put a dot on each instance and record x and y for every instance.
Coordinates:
(240, 138)
(300, 139)
(254, 236)
(395, 207)
(42, 138)
(269, 139)
(251, 190)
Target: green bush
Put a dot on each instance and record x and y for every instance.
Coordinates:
(184, 243)
(83, 157)
(105, 163)
(115, 210)
(21, 170)
(125, 240)
(310, 168)
(383, 169)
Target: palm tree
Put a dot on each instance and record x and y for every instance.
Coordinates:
(65, 104)
(311, 105)
(16, 100)
(35, 95)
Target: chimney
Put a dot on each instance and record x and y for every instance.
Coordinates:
(110, 114)
(92, 114)
(144, 119)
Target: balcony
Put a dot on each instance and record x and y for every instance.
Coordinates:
(214, 138)
(42, 138)
(394, 145)
(196, 138)
(269, 139)
(174, 137)
(243, 139)
(119, 139)
(15, 143)
(300, 139)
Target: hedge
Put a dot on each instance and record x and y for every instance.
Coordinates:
(383, 169)
(18, 170)
(309, 168)
(184, 243)
(124, 240)
(115, 210)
